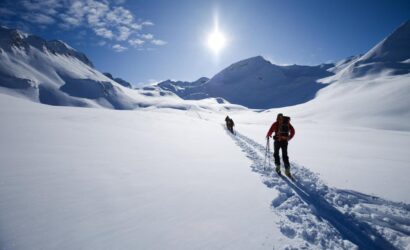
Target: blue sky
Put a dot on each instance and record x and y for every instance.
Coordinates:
(144, 41)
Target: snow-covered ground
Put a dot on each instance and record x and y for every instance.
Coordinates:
(84, 178)
(77, 178)
(369, 160)
(166, 173)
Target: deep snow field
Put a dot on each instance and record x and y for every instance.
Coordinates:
(88, 178)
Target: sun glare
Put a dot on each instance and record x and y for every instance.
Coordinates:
(216, 39)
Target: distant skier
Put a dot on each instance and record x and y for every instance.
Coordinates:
(229, 124)
(284, 132)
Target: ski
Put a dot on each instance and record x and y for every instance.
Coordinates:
(290, 177)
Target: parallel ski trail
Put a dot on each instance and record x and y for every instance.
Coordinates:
(316, 216)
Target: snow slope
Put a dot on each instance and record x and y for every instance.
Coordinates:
(380, 103)
(101, 179)
(370, 91)
(256, 83)
(319, 217)
(372, 161)
(166, 178)
(52, 72)
(389, 56)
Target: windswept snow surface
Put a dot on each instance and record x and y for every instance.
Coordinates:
(77, 178)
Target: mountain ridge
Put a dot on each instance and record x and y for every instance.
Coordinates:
(52, 72)
(14, 37)
(251, 82)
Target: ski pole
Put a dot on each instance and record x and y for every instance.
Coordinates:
(266, 153)
(269, 154)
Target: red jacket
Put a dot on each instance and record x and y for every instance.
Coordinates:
(274, 128)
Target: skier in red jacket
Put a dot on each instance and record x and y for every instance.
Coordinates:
(284, 132)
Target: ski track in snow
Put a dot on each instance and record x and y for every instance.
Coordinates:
(315, 216)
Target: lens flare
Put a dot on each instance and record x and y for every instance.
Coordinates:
(216, 39)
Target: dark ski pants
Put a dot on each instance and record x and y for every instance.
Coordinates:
(230, 128)
(284, 146)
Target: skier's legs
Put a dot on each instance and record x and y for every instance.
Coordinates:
(285, 157)
(276, 146)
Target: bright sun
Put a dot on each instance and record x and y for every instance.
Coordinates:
(216, 39)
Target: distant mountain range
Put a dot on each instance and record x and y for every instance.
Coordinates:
(52, 72)
(256, 83)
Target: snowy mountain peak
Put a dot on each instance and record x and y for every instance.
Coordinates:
(256, 61)
(52, 72)
(12, 32)
(258, 58)
(394, 48)
(10, 38)
(187, 90)
(255, 83)
(175, 83)
(202, 80)
(59, 47)
(389, 57)
(118, 80)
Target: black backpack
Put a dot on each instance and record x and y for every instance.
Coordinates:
(284, 128)
(230, 123)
